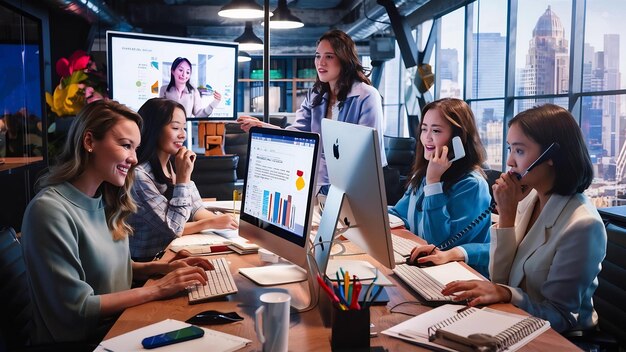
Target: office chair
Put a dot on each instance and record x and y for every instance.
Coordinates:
(15, 320)
(216, 176)
(400, 152)
(609, 300)
(15, 304)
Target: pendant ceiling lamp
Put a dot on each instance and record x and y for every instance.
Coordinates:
(248, 41)
(243, 56)
(283, 18)
(245, 9)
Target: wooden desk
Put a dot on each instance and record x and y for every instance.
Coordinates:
(15, 162)
(307, 333)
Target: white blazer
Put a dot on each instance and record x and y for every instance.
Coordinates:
(552, 271)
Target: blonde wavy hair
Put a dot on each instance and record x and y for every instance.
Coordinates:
(98, 118)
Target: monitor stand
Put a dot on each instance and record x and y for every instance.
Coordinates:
(275, 274)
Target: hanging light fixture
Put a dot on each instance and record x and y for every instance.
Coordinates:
(243, 56)
(246, 9)
(248, 41)
(283, 18)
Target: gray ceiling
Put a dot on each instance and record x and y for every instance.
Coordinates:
(198, 19)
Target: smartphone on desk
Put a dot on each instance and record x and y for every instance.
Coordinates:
(168, 338)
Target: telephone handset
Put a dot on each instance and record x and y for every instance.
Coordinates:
(458, 151)
(547, 154)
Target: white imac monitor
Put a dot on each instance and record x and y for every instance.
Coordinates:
(140, 64)
(278, 191)
(356, 175)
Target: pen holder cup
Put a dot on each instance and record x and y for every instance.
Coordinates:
(350, 329)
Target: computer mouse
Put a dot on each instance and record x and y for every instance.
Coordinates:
(419, 265)
(213, 317)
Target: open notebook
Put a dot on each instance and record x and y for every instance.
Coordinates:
(445, 328)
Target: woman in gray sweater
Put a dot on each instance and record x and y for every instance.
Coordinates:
(75, 235)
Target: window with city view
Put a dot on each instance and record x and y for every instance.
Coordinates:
(540, 71)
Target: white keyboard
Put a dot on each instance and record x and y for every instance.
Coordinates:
(402, 246)
(422, 283)
(220, 283)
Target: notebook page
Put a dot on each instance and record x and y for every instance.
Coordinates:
(204, 239)
(492, 322)
(212, 340)
(484, 322)
(449, 272)
(415, 330)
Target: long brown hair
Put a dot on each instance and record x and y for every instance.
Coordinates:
(98, 118)
(463, 124)
(351, 68)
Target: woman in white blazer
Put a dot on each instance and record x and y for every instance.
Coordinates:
(549, 242)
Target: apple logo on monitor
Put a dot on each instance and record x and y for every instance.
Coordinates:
(336, 149)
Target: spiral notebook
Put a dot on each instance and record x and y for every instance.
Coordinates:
(473, 329)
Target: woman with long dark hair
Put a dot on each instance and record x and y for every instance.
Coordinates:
(342, 91)
(447, 203)
(169, 204)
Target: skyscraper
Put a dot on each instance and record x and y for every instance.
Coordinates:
(547, 61)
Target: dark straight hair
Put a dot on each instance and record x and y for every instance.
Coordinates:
(175, 64)
(156, 114)
(549, 123)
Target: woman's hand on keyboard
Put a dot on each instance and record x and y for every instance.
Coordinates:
(178, 280)
(189, 261)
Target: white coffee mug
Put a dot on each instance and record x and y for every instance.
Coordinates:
(272, 321)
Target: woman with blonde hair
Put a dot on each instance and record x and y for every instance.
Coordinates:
(75, 234)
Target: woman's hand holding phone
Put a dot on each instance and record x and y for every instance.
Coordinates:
(437, 165)
(507, 192)
(184, 161)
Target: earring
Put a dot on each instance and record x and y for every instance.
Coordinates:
(90, 150)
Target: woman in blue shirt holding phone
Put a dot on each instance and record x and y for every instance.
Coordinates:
(445, 197)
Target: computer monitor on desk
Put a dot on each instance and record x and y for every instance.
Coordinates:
(277, 203)
(355, 172)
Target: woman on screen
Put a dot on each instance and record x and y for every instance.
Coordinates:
(168, 202)
(549, 242)
(341, 92)
(75, 235)
(180, 90)
(444, 198)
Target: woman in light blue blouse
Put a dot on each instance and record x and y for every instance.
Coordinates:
(342, 91)
(443, 197)
(168, 202)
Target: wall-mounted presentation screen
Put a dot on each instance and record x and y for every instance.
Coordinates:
(139, 65)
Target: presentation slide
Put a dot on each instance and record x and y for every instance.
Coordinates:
(277, 186)
(140, 66)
